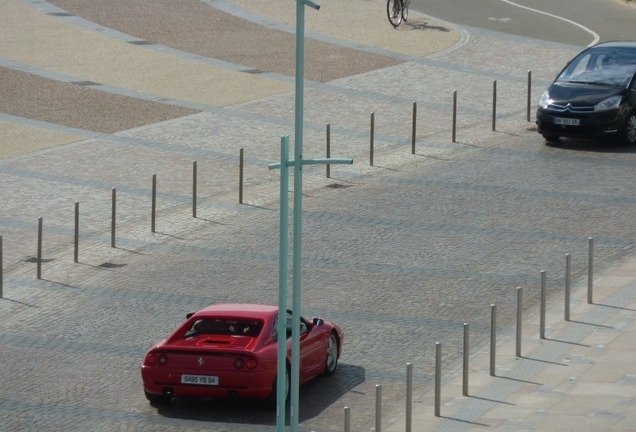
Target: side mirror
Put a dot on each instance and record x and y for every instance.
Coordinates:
(318, 321)
(189, 315)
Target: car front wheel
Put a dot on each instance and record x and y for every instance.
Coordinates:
(629, 133)
(331, 361)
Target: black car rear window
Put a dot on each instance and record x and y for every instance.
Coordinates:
(225, 326)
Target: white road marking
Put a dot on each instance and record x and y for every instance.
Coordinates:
(594, 35)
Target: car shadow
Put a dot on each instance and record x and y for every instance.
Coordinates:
(593, 145)
(315, 396)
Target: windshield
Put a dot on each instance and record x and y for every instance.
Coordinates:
(603, 66)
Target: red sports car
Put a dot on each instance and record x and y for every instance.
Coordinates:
(230, 350)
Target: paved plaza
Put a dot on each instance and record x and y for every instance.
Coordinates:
(400, 252)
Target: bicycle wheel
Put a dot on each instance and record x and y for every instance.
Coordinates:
(405, 9)
(394, 12)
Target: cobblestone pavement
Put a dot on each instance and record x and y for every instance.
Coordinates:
(400, 253)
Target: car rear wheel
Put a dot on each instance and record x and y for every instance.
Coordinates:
(331, 362)
(157, 398)
(272, 401)
(629, 133)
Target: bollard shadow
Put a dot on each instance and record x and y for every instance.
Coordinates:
(616, 307)
(464, 421)
(543, 361)
(492, 400)
(520, 380)
(314, 397)
(18, 302)
(568, 342)
(592, 324)
(168, 235)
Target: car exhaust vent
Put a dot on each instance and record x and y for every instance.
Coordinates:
(35, 260)
(111, 265)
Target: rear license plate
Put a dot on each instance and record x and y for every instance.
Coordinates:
(566, 121)
(200, 379)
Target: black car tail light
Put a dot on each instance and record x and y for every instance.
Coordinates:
(239, 363)
(151, 359)
(251, 363)
(163, 359)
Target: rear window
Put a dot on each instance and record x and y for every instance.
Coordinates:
(225, 326)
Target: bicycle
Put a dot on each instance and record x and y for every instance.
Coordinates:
(397, 10)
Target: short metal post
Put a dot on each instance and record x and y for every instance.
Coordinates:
(39, 270)
(438, 377)
(568, 282)
(1, 276)
(241, 176)
(194, 189)
(414, 131)
(409, 396)
(542, 314)
(378, 408)
(493, 337)
(347, 419)
(454, 115)
(328, 135)
(590, 271)
(371, 139)
(154, 202)
(529, 92)
(76, 240)
(113, 216)
(519, 321)
(465, 362)
(494, 103)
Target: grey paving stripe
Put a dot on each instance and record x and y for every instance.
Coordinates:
(527, 367)
(498, 190)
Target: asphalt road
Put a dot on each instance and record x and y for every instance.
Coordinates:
(549, 20)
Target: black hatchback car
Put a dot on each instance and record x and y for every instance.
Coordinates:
(593, 97)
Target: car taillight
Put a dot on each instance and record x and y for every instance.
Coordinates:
(163, 359)
(239, 363)
(251, 363)
(151, 359)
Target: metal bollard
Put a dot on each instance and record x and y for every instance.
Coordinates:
(328, 136)
(454, 115)
(465, 362)
(493, 337)
(378, 408)
(241, 176)
(113, 213)
(39, 269)
(494, 103)
(529, 92)
(414, 131)
(347, 419)
(519, 322)
(76, 237)
(409, 397)
(1, 276)
(371, 139)
(438, 377)
(568, 282)
(194, 189)
(590, 271)
(542, 314)
(154, 203)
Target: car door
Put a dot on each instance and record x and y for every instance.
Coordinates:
(312, 350)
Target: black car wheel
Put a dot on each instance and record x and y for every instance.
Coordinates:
(629, 132)
(157, 398)
(272, 400)
(551, 138)
(331, 362)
